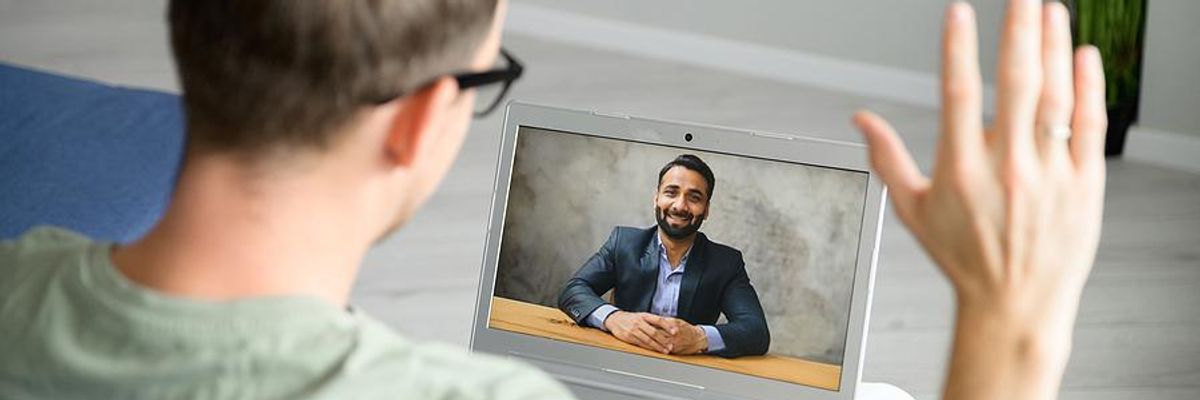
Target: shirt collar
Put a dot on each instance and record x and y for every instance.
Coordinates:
(662, 252)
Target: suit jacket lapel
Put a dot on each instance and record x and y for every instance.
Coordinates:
(648, 273)
(691, 276)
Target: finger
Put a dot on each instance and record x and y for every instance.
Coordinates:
(658, 336)
(892, 162)
(1090, 121)
(962, 119)
(1020, 74)
(646, 342)
(1057, 99)
(666, 324)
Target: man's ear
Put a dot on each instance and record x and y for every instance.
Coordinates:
(418, 117)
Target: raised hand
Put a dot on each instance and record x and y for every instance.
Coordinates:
(1010, 214)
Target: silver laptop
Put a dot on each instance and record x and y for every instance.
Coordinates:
(777, 277)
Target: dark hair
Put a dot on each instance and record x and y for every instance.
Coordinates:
(259, 74)
(695, 164)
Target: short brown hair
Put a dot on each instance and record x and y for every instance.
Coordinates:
(262, 73)
(690, 161)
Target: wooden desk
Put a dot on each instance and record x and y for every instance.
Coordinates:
(533, 319)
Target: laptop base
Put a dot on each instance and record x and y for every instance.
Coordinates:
(881, 391)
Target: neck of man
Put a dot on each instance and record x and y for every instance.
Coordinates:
(676, 248)
(231, 234)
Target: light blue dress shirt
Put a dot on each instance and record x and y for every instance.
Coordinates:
(666, 297)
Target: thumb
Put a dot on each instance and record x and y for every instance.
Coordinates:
(891, 161)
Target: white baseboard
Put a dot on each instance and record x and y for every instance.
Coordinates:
(1168, 149)
(808, 69)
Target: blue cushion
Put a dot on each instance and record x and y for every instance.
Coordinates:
(95, 158)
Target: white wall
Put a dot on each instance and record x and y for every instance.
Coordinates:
(898, 34)
(904, 35)
(1171, 72)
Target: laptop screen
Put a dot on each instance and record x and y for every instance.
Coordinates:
(739, 264)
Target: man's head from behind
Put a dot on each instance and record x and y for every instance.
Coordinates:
(685, 187)
(290, 86)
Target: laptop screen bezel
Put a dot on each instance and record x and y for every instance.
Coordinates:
(613, 368)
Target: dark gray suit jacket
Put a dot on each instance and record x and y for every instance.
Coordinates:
(714, 282)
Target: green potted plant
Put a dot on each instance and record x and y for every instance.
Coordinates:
(1116, 28)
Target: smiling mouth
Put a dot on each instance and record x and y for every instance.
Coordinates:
(678, 219)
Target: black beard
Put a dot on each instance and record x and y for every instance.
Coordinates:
(677, 233)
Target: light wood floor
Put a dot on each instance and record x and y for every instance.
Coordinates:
(1138, 331)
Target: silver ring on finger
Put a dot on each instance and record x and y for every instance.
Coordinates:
(1057, 131)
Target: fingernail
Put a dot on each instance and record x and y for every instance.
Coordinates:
(1091, 54)
(960, 11)
(955, 10)
(1057, 7)
(857, 117)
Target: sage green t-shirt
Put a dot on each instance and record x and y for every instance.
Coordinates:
(71, 326)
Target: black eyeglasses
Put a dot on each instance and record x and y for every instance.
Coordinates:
(490, 85)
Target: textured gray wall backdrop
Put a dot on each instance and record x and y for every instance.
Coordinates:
(797, 227)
